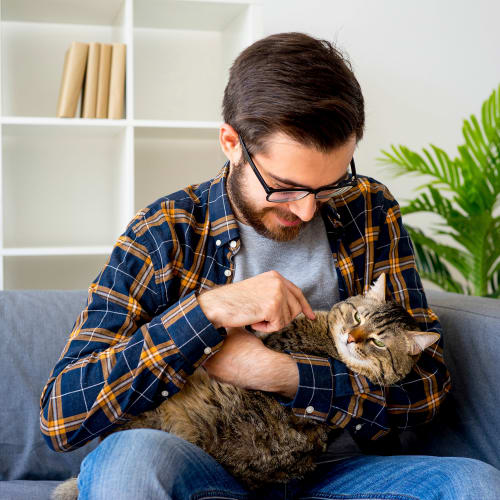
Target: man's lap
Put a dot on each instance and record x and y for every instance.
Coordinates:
(405, 477)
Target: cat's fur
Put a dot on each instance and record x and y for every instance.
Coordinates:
(250, 433)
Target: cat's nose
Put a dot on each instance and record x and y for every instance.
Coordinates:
(356, 335)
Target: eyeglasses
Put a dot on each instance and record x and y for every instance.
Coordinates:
(294, 194)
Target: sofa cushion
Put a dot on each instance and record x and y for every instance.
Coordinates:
(34, 326)
(22, 490)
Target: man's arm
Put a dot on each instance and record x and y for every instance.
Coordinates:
(246, 362)
(134, 344)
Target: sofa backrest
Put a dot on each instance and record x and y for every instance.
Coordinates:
(34, 326)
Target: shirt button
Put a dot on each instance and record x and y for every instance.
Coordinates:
(227, 272)
(207, 350)
(358, 427)
(232, 244)
(164, 394)
(218, 242)
(309, 409)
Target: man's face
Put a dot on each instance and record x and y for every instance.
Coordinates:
(284, 164)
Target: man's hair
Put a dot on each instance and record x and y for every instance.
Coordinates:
(295, 84)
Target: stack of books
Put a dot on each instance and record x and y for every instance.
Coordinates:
(96, 71)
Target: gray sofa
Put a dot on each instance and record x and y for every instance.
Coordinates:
(35, 324)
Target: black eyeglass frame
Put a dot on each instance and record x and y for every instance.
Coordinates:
(350, 182)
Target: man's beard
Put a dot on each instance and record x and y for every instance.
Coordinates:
(248, 215)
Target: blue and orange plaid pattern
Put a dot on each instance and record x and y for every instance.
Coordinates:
(143, 333)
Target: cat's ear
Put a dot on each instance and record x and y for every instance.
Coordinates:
(377, 290)
(421, 340)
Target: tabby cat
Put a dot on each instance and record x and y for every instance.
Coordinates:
(250, 433)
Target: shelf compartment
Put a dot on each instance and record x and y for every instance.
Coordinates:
(92, 12)
(32, 87)
(62, 186)
(184, 66)
(62, 272)
(190, 15)
(169, 159)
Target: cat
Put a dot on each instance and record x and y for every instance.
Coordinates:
(252, 435)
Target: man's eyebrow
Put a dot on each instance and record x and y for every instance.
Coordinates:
(293, 183)
(286, 181)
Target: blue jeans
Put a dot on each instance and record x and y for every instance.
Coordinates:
(150, 464)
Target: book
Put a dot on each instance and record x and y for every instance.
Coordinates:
(103, 81)
(75, 61)
(89, 97)
(117, 82)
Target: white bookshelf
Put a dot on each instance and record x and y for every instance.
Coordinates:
(69, 186)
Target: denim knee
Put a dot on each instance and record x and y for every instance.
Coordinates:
(152, 464)
(469, 479)
(135, 463)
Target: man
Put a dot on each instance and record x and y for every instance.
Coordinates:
(286, 227)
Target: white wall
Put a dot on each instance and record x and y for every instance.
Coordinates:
(424, 66)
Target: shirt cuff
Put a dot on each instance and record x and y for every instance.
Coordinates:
(313, 399)
(191, 331)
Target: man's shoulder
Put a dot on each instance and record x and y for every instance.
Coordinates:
(368, 194)
(192, 196)
(374, 188)
(364, 206)
(185, 206)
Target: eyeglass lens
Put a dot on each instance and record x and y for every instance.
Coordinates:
(283, 196)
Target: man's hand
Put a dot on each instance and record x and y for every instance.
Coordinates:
(246, 362)
(267, 302)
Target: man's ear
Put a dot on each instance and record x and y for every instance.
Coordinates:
(230, 143)
(421, 340)
(377, 290)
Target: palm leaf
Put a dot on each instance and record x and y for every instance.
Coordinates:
(472, 183)
(406, 161)
(432, 268)
(452, 255)
(494, 285)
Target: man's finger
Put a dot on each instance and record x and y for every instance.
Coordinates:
(297, 292)
(294, 306)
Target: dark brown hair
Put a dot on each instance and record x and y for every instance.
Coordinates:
(295, 84)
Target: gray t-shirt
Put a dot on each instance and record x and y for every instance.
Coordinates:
(307, 262)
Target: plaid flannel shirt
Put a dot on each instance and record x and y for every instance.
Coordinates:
(143, 332)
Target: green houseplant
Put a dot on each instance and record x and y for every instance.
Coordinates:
(464, 192)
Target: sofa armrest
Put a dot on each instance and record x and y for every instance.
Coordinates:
(468, 424)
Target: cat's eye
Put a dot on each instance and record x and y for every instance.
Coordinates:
(357, 317)
(378, 342)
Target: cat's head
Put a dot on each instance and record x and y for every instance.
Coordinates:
(375, 337)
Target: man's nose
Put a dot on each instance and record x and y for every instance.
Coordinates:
(304, 208)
